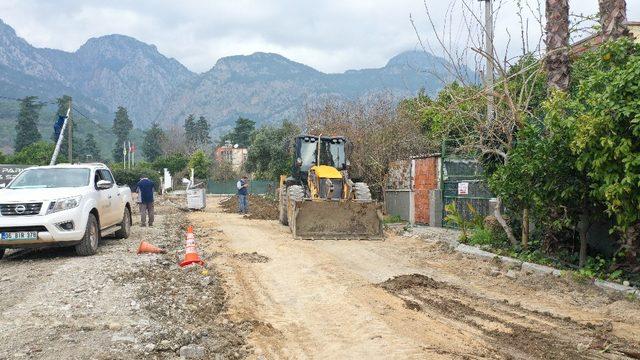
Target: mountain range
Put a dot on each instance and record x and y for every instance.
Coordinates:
(117, 70)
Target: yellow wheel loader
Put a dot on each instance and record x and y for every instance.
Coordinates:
(319, 200)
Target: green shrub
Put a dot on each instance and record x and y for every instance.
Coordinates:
(131, 177)
(391, 219)
(175, 163)
(456, 217)
(482, 237)
(38, 153)
(201, 165)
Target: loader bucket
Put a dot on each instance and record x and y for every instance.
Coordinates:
(332, 219)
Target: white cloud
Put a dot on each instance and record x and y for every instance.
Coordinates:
(330, 35)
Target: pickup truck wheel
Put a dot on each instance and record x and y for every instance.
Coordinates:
(89, 244)
(125, 225)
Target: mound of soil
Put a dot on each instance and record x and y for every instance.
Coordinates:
(259, 207)
(403, 282)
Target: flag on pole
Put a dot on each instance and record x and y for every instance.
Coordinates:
(124, 155)
(132, 150)
(57, 127)
(129, 147)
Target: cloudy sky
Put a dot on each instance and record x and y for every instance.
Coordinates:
(330, 35)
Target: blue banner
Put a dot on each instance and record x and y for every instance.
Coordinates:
(57, 127)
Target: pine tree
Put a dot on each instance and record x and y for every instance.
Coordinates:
(241, 133)
(90, 148)
(190, 132)
(153, 141)
(27, 126)
(202, 133)
(122, 126)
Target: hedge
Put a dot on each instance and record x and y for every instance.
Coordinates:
(131, 177)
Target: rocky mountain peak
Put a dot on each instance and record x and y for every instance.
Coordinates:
(260, 64)
(414, 59)
(118, 70)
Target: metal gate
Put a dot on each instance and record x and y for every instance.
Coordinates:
(462, 182)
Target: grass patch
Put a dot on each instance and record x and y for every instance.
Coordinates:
(393, 219)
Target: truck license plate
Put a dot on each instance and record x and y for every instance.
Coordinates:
(19, 235)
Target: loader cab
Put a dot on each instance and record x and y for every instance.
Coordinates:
(332, 153)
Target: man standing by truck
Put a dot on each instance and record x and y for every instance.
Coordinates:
(243, 195)
(145, 191)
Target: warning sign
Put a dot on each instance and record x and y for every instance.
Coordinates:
(463, 188)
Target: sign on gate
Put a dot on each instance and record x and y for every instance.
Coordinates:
(8, 172)
(463, 188)
(463, 183)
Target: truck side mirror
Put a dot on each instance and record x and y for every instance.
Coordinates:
(104, 184)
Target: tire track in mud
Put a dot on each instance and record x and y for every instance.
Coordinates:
(511, 331)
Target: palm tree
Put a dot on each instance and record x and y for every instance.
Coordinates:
(557, 43)
(613, 18)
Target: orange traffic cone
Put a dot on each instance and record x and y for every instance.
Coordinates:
(145, 247)
(190, 253)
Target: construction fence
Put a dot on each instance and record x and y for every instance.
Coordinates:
(229, 187)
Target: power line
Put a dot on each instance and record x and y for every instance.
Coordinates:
(40, 102)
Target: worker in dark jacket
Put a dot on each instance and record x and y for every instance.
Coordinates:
(243, 195)
(145, 199)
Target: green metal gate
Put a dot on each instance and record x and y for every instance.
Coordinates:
(462, 181)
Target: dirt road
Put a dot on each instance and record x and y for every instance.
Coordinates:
(264, 295)
(116, 304)
(405, 298)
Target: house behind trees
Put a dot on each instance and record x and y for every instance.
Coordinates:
(232, 154)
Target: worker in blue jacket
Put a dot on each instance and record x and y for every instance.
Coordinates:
(243, 195)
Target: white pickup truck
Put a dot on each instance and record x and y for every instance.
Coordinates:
(63, 205)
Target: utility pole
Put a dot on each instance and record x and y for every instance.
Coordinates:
(488, 76)
(70, 139)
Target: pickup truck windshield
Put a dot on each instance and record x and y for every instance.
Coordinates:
(51, 178)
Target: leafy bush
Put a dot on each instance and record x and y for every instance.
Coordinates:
(481, 237)
(175, 163)
(268, 156)
(392, 219)
(201, 165)
(38, 153)
(131, 177)
(607, 141)
(455, 216)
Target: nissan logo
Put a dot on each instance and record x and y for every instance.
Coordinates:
(20, 209)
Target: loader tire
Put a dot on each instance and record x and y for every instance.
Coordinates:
(282, 205)
(362, 192)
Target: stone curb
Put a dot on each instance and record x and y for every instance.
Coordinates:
(607, 285)
(535, 268)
